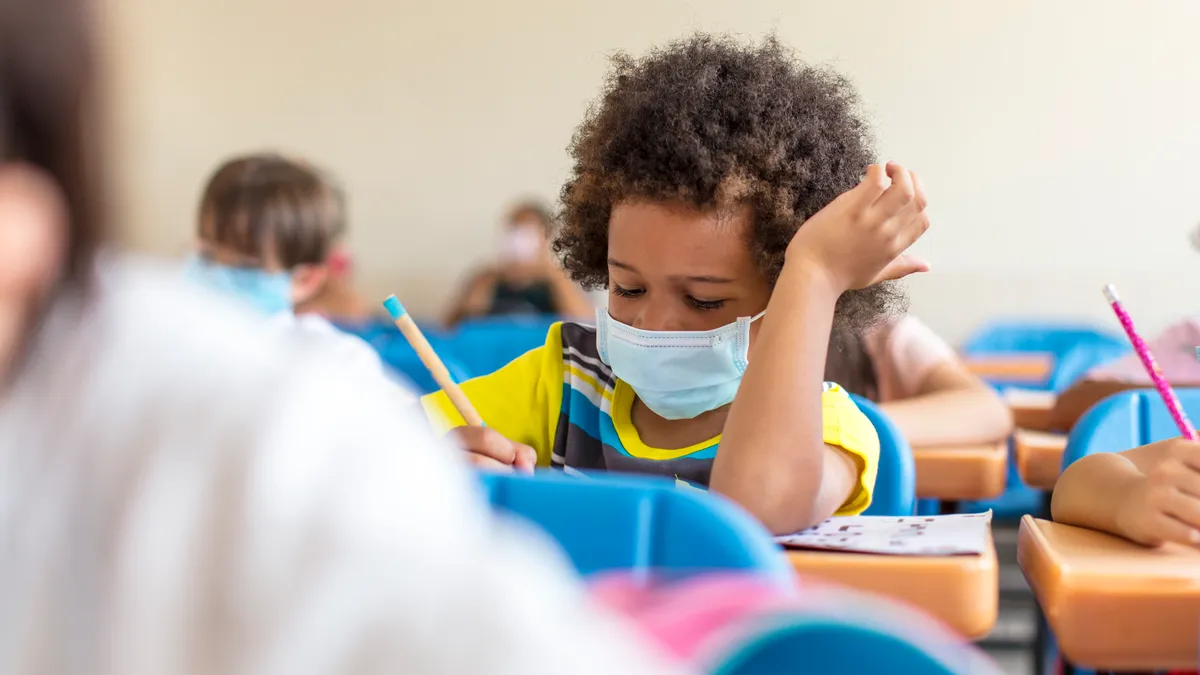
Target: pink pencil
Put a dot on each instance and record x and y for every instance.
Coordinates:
(1156, 376)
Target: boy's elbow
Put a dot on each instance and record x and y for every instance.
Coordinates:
(780, 510)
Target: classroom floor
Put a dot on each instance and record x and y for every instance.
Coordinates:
(1010, 643)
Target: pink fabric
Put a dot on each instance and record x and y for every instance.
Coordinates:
(1174, 350)
(693, 617)
(904, 352)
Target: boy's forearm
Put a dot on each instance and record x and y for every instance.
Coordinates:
(957, 416)
(772, 450)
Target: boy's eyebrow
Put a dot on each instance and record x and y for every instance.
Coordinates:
(702, 278)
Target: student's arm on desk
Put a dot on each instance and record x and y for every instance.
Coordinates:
(1150, 494)
(952, 406)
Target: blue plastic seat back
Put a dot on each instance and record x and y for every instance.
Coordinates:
(484, 346)
(1031, 336)
(816, 644)
(896, 482)
(646, 525)
(1076, 349)
(1127, 420)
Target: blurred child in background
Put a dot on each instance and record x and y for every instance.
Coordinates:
(920, 382)
(525, 279)
(185, 491)
(267, 230)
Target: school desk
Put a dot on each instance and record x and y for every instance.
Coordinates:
(962, 591)
(1113, 605)
(1011, 367)
(958, 473)
(1031, 409)
(1039, 457)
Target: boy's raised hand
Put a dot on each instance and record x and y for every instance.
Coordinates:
(860, 237)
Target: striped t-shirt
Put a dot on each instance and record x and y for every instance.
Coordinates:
(565, 403)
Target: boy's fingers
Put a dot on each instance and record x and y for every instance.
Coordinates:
(486, 463)
(487, 442)
(899, 195)
(526, 458)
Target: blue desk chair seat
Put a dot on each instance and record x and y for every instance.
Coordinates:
(821, 644)
(1076, 348)
(896, 482)
(644, 525)
(484, 346)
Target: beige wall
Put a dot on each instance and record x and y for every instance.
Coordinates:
(1060, 139)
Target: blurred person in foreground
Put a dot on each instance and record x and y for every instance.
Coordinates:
(185, 491)
(525, 279)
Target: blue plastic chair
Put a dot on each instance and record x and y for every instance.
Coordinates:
(1126, 420)
(1076, 348)
(896, 483)
(484, 346)
(816, 644)
(644, 525)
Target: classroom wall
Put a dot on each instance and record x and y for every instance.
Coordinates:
(1059, 139)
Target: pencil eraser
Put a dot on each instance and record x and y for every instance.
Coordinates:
(393, 306)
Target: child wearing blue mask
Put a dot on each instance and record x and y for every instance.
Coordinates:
(718, 194)
(268, 225)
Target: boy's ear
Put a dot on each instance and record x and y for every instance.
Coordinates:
(307, 282)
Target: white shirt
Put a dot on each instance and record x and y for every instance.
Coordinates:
(353, 355)
(183, 491)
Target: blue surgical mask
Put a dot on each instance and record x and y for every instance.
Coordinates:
(269, 292)
(677, 374)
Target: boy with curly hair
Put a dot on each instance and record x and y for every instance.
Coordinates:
(693, 175)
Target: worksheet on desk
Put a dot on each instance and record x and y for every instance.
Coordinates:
(956, 534)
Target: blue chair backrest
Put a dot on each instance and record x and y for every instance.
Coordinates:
(896, 483)
(1073, 364)
(1076, 349)
(484, 346)
(1031, 336)
(816, 644)
(645, 525)
(1127, 420)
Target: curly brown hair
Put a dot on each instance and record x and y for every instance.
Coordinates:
(715, 123)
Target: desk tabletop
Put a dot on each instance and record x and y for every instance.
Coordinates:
(955, 473)
(1012, 367)
(1114, 605)
(962, 591)
(1032, 410)
(1039, 457)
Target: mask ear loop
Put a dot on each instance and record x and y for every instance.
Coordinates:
(602, 334)
(742, 358)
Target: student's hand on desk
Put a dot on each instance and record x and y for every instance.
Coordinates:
(859, 239)
(488, 449)
(1165, 505)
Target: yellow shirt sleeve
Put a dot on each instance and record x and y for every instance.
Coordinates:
(522, 400)
(849, 429)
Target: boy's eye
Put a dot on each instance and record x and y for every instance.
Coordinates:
(705, 305)
(628, 292)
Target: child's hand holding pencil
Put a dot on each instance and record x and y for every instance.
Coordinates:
(487, 447)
